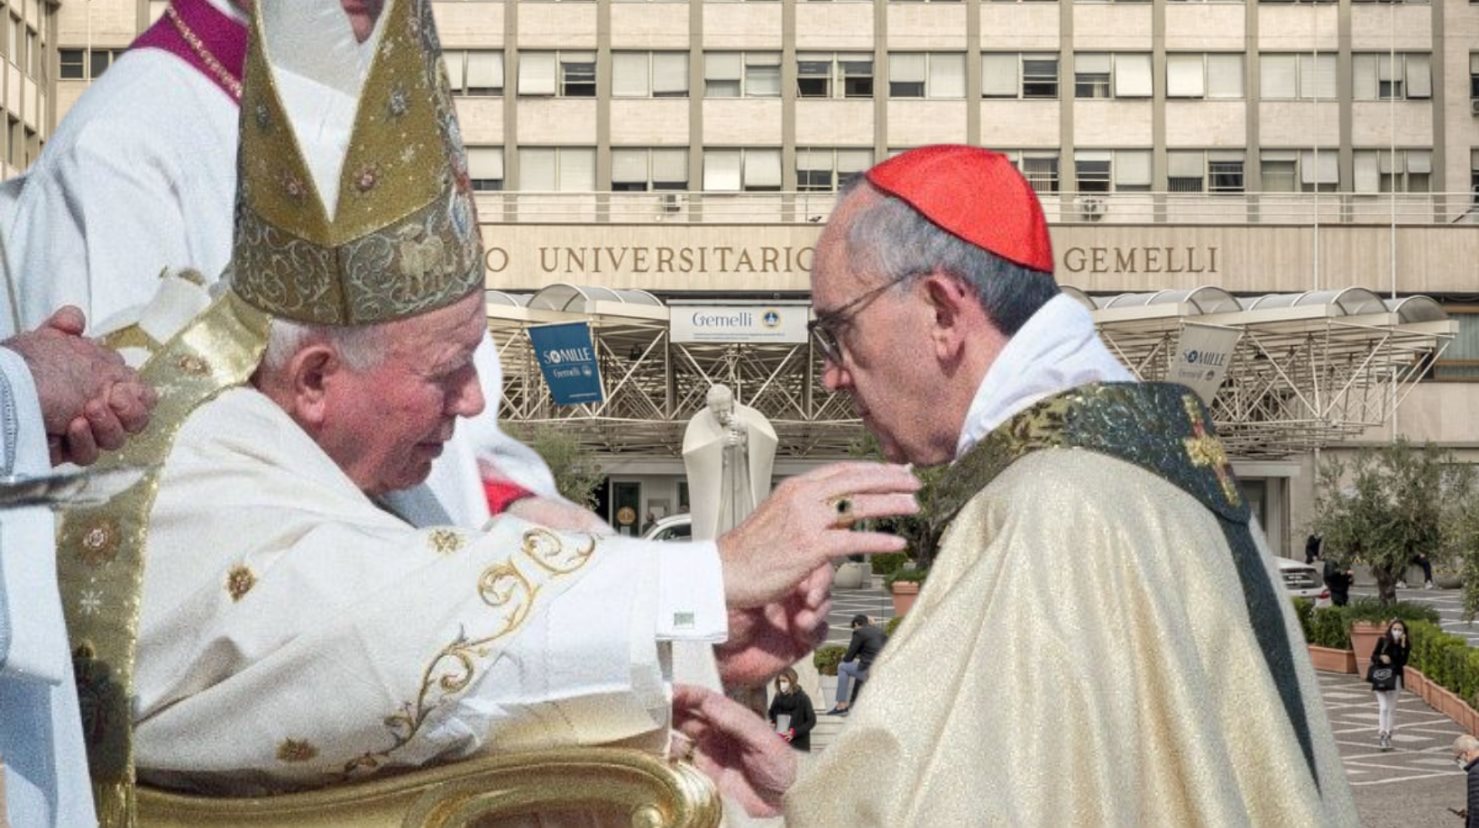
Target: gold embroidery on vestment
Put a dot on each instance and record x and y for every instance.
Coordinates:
(1207, 451)
(100, 542)
(445, 541)
(296, 750)
(239, 581)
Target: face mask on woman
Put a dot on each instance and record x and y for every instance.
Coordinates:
(1398, 633)
(785, 686)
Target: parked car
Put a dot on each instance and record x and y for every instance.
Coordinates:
(1304, 581)
(671, 528)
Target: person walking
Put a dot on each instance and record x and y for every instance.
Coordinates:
(1385, 674)
(791, 713)
(867, 642)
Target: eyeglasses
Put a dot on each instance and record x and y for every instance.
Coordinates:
(828, 324)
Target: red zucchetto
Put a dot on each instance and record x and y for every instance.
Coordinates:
(974, 194)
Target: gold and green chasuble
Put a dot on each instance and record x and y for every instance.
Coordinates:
(1101, 641)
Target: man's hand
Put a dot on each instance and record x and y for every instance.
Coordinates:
(735, 748)
(766, 640)
(796, 529)
(90, 400)
(558, 515)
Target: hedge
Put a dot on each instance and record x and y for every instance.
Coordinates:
(1331, 626)
(1446, 659)
(827, 657)
(887, 563)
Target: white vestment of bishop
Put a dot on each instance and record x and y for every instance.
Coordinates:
(1082, 652)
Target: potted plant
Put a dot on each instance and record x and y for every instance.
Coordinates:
(852, 574)
(904, 586)
(825, 659)
(1330, 640)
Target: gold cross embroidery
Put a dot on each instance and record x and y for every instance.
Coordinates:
(1206, 450)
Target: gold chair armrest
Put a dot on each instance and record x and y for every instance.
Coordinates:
(628, 784)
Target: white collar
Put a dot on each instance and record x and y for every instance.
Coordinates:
(229, 9)
(1057, 349)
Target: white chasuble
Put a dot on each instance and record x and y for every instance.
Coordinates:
(293, 633)
(1083, 653)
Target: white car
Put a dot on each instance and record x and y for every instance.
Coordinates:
(1304, 581)
(671, 528)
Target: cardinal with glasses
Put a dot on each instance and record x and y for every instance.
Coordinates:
(1100, 584)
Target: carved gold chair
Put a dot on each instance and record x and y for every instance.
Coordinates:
(616, 785)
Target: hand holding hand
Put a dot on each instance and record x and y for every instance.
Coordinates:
(766, 640)
(735, 748)
(90, 400)
(800, 526)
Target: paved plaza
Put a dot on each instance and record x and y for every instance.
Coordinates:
(1412, 785)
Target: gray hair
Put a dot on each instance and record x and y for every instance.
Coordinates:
(891, 238)
(1466, 744)
(360, 347)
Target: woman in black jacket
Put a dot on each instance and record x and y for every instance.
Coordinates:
(1391, 651)
(792, 703)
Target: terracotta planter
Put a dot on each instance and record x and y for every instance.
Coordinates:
(904, 594)
(1332, 660)
(1414, 681)
(1363, 641)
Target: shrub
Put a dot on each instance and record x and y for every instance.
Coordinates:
(1330, 627)
(827, 657)
(893, 624)
(1371, 610)
(1303, 608)
(1445, 659)
(887, 563)
(908, 576)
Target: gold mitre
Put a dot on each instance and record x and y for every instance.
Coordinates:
(353, 202)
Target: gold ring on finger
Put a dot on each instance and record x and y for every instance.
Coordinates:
(842, 514)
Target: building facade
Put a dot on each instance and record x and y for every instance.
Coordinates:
(692, 148)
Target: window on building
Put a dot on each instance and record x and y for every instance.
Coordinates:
(1195, 171)
(485, 168)
(33, 52)
(825, 170)
(1384, 171)
(1297, 76)
(1116, 75)
(1039, 167)
(926, 75)
(1380, 77)
(1419, 2)
(474, 71)
(1209, 76)
(829, 75)
(646, 170)
(1016, 75)
(557, 169)
(742, 74)
(1460, 360)
(72, 64)
(1293, 171)
(1474, 175)
(649, 74)
(101, 60)
(1104, 171)
(1474, 76)
(561, 74)
(733, 170)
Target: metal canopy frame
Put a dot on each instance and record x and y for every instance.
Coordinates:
(1309, 369)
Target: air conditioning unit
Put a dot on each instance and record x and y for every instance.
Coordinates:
(1474, 106)
(671, 202)
(1090, 208)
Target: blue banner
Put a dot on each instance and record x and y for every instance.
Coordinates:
(567, 356)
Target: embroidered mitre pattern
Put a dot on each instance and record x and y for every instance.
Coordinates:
(403, 238)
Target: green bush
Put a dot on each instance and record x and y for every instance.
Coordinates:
(1445, 659)
(1371, 610)
(908, 576)
(1303, 608)
(887, 563)
(827, 657)
(1330, 627)
(893, 624)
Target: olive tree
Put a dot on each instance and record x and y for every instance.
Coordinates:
(1388, 504)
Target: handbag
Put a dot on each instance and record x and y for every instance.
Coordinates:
(1382, 678)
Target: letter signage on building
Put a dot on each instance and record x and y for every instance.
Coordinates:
(1202, 357)
(761, 324)
(567, 357)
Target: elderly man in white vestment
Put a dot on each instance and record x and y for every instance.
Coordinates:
(58, 391)
(292, 629)
(141, 176)
(1166, 681)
